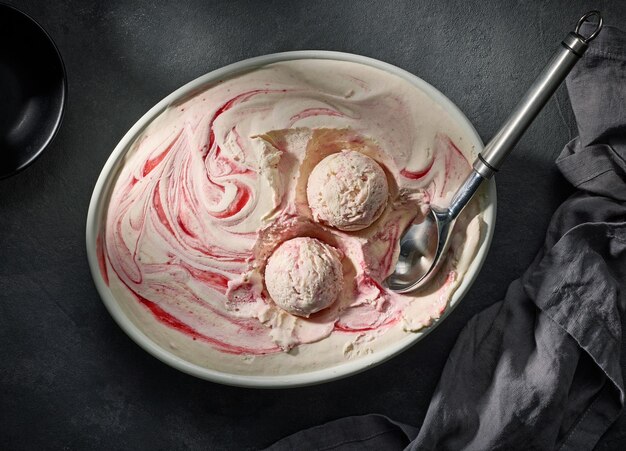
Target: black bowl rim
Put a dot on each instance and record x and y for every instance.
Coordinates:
(57, 126)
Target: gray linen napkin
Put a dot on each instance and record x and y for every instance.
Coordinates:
(540, 369)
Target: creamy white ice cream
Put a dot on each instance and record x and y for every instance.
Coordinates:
(347, 190)
(304, 276)
(213, 185)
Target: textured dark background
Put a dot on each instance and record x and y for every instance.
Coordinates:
(71, 379)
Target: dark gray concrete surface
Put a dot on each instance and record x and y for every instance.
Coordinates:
(71, 379)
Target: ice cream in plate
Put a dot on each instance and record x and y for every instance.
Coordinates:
(249, 226)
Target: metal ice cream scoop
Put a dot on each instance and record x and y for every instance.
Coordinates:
(423, 245)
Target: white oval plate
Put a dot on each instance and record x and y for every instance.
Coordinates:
(99, 200)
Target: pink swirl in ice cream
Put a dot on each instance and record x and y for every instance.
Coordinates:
(216, 183)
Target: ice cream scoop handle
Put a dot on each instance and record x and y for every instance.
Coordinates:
(572, 49)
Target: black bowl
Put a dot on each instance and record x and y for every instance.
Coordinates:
(33, 89)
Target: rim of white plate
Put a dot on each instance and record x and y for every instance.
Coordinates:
(99, 201)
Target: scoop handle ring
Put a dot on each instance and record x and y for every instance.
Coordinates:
(584, 19)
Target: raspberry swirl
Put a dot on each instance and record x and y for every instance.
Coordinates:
(215, 183)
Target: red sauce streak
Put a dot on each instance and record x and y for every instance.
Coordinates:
(102, 258)
(241, 97)
(241, 199)
(451, 143)
(387, 260)
(342, 328)
(212, 279)
(368, 282)
(153, 163)
(416, 175)
(214, 152)
(217, 114)
(448, 161)
(158, 206)
(163, 317)
(184, 228)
